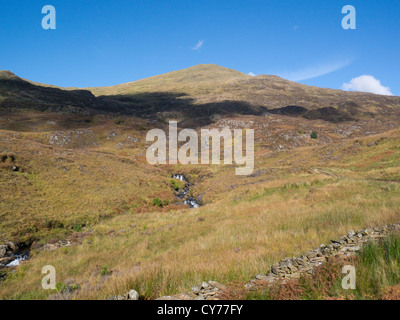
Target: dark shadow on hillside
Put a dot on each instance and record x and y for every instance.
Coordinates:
(17, 94)
(162, 105)
(329, 114)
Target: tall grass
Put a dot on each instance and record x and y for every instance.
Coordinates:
(377, 277)
(379, 266)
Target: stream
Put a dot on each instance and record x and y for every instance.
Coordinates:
(18, 257)
(14, 259)
(183, 194)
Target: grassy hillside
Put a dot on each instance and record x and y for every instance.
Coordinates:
(185, 81)
(74, 171)
(248, 224)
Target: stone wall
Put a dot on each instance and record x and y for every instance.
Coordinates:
(293, 268)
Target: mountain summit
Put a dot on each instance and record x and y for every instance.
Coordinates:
(204, 75)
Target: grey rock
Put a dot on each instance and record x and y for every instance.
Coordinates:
(365, 232)
(3, 250)
(311, 255)
(196, 289)
(353, 249)
(11, 245)
(133, 295)
(210, 293)
(217, 285)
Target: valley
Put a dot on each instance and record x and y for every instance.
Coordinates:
(77, 190)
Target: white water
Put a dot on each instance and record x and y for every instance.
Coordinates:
(18, 259)
(179, 177)
(192, 203)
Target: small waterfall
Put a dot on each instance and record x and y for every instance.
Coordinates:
(180, 177)
(183, 193)
(18, 257)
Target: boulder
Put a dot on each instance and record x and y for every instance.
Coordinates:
(3, 250)
(217, 285)
(196, 289)
(133, 295)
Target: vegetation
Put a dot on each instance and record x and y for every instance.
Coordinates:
(64, 288)
(303, 192)
(314, 135)
(157, 202)
(77, 228)
(242, 232)
(377, 268)
(177, 184)
(105, 271)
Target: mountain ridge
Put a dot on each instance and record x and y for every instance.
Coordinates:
(199, 94)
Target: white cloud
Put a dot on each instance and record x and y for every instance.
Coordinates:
(316, 71)
(252, 74)
(367, 83)
(198, 45)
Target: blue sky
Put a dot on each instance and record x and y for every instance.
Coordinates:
(99, 43)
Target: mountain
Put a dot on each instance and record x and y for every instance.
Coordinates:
(208, 89)
(201, 93)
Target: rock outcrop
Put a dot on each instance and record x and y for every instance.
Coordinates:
(73, 138)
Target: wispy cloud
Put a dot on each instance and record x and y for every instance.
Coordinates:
(316, 71)
(252, 74)
(198, 45)
(367, 83)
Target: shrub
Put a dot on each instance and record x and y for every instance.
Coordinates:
(64, 288)
(77, 228)
(157, 202)
(105, 271)
(175, 185)
(314, 135)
